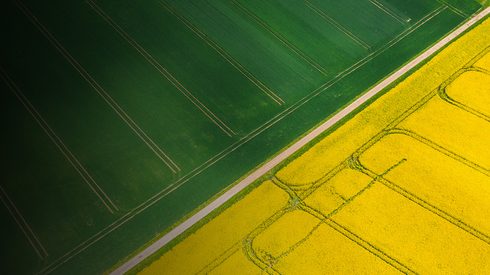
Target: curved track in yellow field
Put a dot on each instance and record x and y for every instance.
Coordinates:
(395, 189)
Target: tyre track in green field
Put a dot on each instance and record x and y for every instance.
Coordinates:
(99, 89)
(279, 37)
(154, 247)
(163, 71)
(337, 25)
(60, 144)
(256, 174)
(223, 53)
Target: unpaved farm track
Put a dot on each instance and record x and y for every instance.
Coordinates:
(131, 263)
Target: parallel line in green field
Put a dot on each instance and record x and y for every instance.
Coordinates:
(223, 53)
(282, 39)
(100, 91)
(81, 247)
(162, 70)
(453, 8)
(337, 25)
(67, 153)
(24, 226)
(189, 222)
(395, 40)
(389, 12)
(196, 171)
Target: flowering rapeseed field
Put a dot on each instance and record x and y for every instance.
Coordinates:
(403, 186)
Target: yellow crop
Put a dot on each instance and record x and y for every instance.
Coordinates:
(343, 185)
(484, 62)
(275, 240)
(413, 236)
(327, 251)
(454, 129)
(471, 89)
(447, 183)
(237, 262)
(402, 187)
(222, 233)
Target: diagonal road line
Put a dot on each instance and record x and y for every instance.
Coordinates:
(259, 172)
(198, 170)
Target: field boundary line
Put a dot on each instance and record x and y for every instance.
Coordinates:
(257, 173)
(435, 210)
(161, 69)
(424, 204)
(369, 247)
(220, 258)
(307, 98)
(337, 25)
(328, 219)
(358, 166)
(453, 8)
(448, 99)
(223, 53)
(390, 12)
(24, 226)
(196, 171)
(100, 91)
(393, 41)
(282, 39)
(439, 148)
(67, 153)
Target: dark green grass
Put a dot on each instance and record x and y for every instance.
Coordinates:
(58, 204)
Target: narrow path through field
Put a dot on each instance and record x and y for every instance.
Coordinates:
(295, 147)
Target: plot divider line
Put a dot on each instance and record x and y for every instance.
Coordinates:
(370, 247)
(423, 203)
(388, 11)
(453, 8)
(257, 173)
(163, 193)
(329, 219)
(444, 96)
(162, 70)
(337, 25)
(100, 91)
(223, 53)
(220, 258)
(391, 43)
(435, 210)
(440, 149)
(67, 153)
(216, 158)
(281, 39)
(23, 225)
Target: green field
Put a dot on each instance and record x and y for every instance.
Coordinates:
(121, 117)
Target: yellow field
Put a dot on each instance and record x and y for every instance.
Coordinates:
(404, 186)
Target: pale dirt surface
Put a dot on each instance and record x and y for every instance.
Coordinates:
(294, 148)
